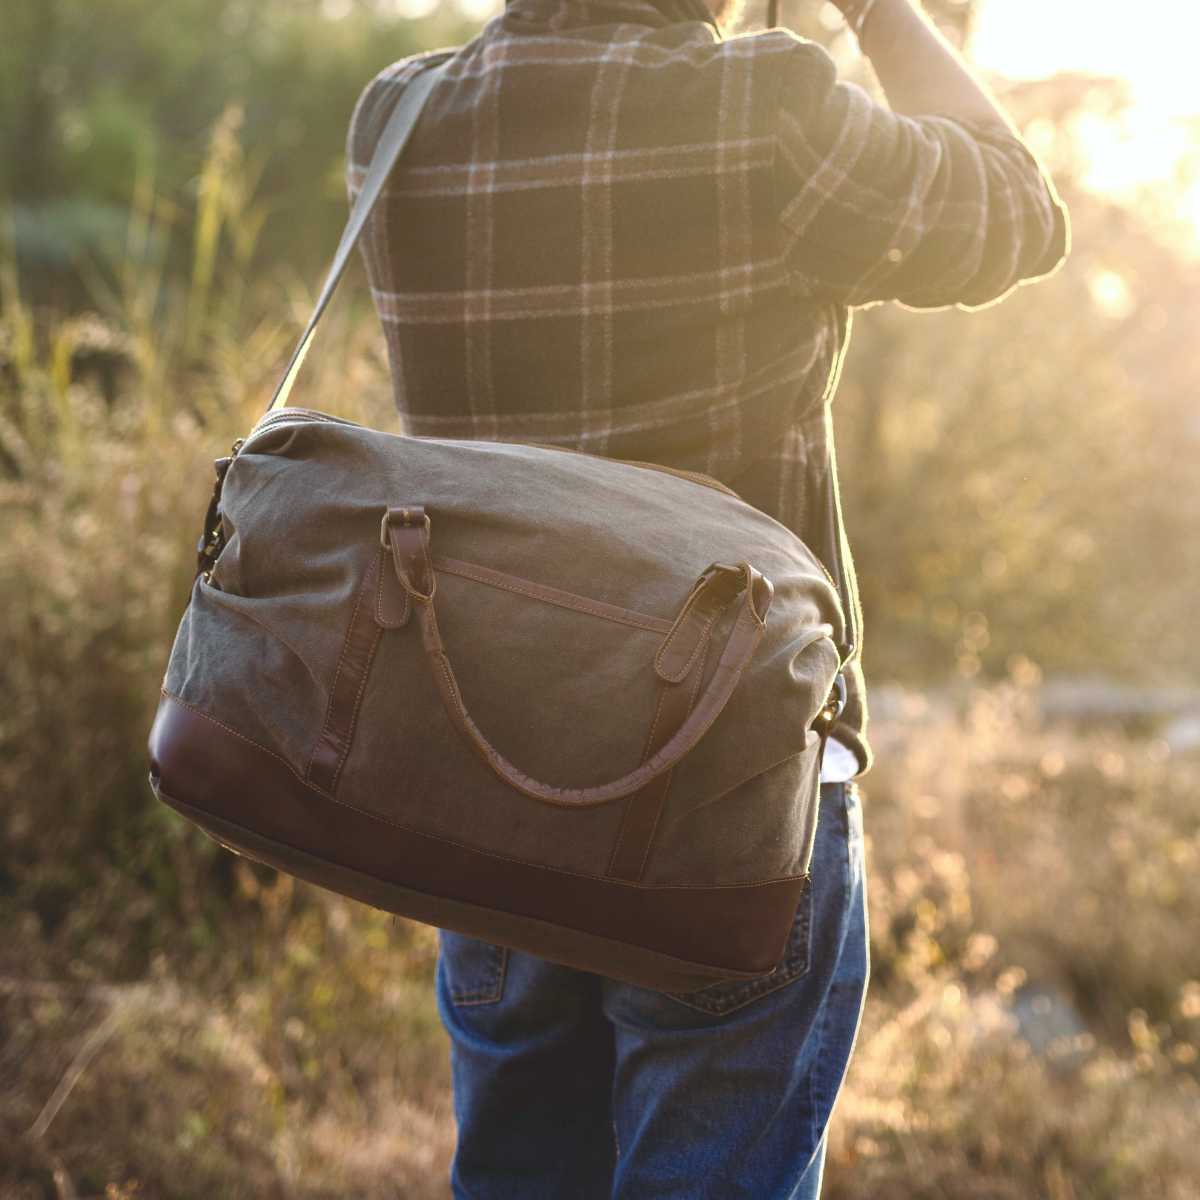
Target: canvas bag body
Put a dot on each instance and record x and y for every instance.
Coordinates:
(305, 723)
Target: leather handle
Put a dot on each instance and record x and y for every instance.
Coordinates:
(407, 532)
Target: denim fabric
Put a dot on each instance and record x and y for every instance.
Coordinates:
(568, 1085)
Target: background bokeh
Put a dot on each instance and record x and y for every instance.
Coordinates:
(1023, 498)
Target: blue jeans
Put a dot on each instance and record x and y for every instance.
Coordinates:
(570, 1086)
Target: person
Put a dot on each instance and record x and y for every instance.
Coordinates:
(618, 229)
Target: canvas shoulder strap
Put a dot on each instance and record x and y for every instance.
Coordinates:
(392, 141)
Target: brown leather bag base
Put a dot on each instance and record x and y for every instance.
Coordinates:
(561, 943)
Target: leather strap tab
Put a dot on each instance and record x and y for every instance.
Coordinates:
(406, 530)
(392, 605)
(710, 597)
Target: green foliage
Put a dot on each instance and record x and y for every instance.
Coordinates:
(97, 95)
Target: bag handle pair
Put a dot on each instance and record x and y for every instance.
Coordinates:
(395, 137)
(405, 535)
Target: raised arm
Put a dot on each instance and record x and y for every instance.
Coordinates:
(932, 202)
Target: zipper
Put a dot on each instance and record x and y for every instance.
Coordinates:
(291, 416)
(299, 415)
(312, 416)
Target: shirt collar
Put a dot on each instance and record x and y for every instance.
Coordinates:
(577, 14)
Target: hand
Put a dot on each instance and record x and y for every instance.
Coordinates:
(855, 12)
(849, 7)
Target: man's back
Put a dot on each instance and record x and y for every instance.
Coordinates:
(583, 246)
(618, 232)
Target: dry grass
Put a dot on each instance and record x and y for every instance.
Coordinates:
(1015, 867)
(300, 1056)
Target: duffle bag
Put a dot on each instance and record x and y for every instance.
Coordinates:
(567, 704)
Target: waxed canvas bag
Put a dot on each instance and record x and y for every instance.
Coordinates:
(567, 704)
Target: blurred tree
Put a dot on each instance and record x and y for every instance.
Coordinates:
(1021, 481)
(97, 95)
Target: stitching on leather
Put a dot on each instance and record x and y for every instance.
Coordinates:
(629, 803)
(452, 684)
(521, 862)
(348, 740)
(349, 637)
(249, 741)
(616, 851)
(701, 638)
(662, 804)
(662, 701)
(402, 620)
(729, 974)
(728, 996)
(563, 599)
(654, 828)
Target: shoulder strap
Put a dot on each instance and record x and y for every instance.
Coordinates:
(392, 141)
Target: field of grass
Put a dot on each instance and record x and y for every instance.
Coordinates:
(177, 1023)
(290, 1046)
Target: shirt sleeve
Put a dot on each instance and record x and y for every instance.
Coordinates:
(928, 210)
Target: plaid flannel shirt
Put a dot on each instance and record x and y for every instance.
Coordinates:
(617, 231)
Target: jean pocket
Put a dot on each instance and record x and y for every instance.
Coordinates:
(474, 970)
(720, 998)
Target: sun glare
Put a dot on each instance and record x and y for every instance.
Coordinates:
(1150, 46)
(1191, 204)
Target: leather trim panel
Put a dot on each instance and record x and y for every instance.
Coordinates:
(723, 931)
